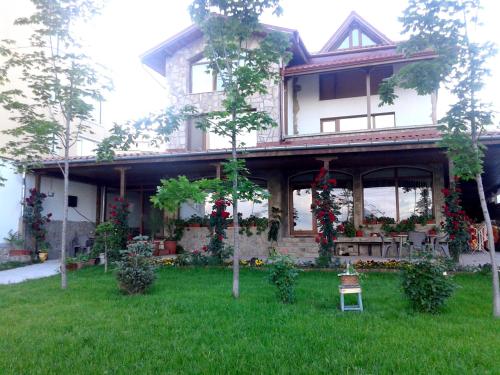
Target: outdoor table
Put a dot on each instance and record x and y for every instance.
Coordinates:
(369, 241)
(399, 243)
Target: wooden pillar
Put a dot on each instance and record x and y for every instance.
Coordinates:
(368, 100)
(142, 210)
(98, 205)
(434, 98)
(218, 170)
(123, 185)
(38, 182)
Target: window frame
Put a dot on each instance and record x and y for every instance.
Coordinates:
(396, 188)
(200, 60)
(337, 122)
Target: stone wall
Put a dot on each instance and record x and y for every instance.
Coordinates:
(77, 232)
(177, 68)
(4, 253)
(250, 246)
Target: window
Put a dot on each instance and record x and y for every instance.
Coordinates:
(346, 84)
(302, 194)
(398, 193)
(353, 123)
(356, 38)
(246, 208)
(202, 79)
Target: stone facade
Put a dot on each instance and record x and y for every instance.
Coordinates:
(250, 246)
(177, 68)
(78, 233)
(4, 253)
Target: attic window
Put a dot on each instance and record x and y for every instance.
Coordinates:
(356, 38)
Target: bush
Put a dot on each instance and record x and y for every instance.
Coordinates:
(135, 270)
(426, 285)
(283, 273)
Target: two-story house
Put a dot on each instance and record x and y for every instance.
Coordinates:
(386, 159)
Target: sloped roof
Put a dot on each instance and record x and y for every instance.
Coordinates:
(155, 57)
(354, 20)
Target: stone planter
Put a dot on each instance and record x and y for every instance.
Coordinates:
(19, 253)
(194, 225)
(169, 247)
(71, 266)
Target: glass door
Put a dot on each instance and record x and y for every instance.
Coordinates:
(302, 220)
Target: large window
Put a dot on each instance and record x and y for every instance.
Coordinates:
(301, 199)
(398, 193)
(202, 79)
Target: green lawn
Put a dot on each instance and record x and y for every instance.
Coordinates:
(189, 323)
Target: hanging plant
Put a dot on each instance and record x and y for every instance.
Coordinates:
(325, 210)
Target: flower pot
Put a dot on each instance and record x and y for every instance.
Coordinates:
(80, 265)
(43, 255)
(156, 248)
(17, 253)
(170, 246)
(359, 233)
(349, 279)
(71, 266)
(91, 262)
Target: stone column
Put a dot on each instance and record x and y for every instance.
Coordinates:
(276, 185)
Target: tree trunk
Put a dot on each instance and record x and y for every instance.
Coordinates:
(236, 243)
(64, 281)
(491, 247)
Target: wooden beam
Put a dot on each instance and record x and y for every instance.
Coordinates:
(368, 100)
(123, 183)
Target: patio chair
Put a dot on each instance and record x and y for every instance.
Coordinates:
(440, 244)
(387, 245)
(417, 241)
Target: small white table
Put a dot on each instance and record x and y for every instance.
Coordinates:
(350, 289)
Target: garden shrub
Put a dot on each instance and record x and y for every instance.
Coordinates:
(426, 284)
(135, 270)
(283, 273)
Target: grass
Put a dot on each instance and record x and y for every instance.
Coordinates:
(188, 323)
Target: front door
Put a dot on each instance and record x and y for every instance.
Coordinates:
(302, 221)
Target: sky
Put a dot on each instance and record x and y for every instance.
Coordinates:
(127, 28)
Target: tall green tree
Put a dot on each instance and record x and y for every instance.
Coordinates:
(57, 86)
(245, 69)
(444, 26)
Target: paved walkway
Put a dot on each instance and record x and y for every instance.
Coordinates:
(33, 271)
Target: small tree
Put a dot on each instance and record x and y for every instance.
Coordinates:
(60, 85)
(443, 26)
(245, 70)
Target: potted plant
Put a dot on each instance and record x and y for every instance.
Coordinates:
(81, 260)
(349, 276)
(174, 229)
(359, 232)
(16, 241)
(433, 231)
(195, 221)
(43, 253)
(71, 263)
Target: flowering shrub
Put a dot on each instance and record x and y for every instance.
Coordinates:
(325, 209)
(457, 224)
(34, 218)
(218, 225)
(119, 211)
(373, 264)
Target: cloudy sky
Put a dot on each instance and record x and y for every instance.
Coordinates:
(127, 28)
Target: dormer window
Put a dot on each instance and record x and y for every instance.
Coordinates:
(202, 79)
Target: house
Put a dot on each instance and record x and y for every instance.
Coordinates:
(386, 159)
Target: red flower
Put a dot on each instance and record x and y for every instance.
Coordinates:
(225, 214)
(220, 237)
(332, 181)
(204, 248)
(317, 239)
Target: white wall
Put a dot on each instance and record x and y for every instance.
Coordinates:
(10, 201)
(54, 188)
(410, 109)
